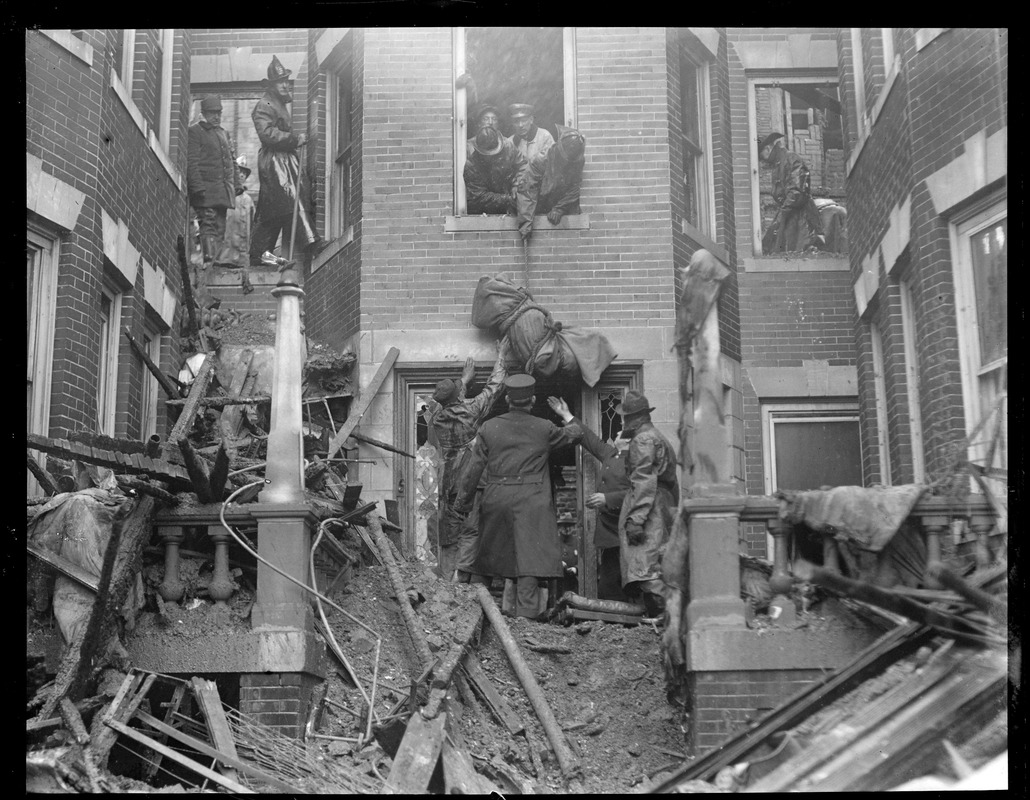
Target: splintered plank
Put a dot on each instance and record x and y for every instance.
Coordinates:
(179, 758)
(184, 423)
(417, 755)
(125, 703)
(178, 694)
(360, 405)
(64, 566)
(488, 692)
(218, 728)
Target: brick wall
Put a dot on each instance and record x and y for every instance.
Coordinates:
(945, 93)
(85, 137)
(725, 703)
(280, 700)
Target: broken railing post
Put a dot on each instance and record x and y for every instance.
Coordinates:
(566, 760)
(780, 583)
(933, 526)
(172, 588)
(980, 525)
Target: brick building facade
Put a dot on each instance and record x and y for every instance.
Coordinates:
(106, 118)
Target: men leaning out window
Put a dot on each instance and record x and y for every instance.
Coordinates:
(491, 174)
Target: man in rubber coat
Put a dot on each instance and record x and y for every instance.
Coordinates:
(518, 528)
(650, 505)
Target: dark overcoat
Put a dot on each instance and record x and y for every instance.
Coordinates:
(277, 160)
(518, 528)
(613, 483)
(212, 177)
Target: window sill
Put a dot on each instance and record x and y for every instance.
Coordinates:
(72, 44)
(166, 162)
(332, 249)
(779, 263)
(497, 222)
(130, 106)
(707, 243)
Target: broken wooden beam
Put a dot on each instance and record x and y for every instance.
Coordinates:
(125, 703)
(187, 289)
(363, 401)
(987, 603)
(443, 672)
(219, 474)
(166, 383)
(210, 704)
(416, 758)
(493, 699)
(64, 566)
(184, 424)
(566, 760)
(198, 470)
(384, 445)
(43, 478)
(222, 402)
(128, 484)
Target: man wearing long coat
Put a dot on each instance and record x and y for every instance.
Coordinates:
(212, 178)
(649, 507)
(518, 528)
(455, 423)
(278, 165)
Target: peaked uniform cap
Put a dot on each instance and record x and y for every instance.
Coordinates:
(634, 403)
(520, 387)
(277, 72)
(520, 110)
(769, 139)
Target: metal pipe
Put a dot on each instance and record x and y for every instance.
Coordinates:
(566, 760)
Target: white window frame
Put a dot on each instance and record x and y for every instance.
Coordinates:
(460, 105)
(41, 305)
(336, 223)
(880, 401)
(752, 124)
(152, 341)
(962, 229)
(858, 60)
(127, 67)
(107, 373)
(915, 414)
(164, 98)
(706, 192)
(887, 44)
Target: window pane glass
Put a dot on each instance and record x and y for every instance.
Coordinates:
(689, 92)
(814, 454)
(517, 65)
(990, 248)
(343, 111)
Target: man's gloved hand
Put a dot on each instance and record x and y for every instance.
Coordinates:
(554, 216)
(634, 533)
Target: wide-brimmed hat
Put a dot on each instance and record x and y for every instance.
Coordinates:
(210, 103)
(488, 142)
(634, 403)
(768, 140)
(520, 387)
(516, 110)
(446, 392)
(277, 72)
(241, 165)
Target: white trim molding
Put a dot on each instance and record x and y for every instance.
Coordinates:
(73, 44)
(240, 65)
(814, 378)
(984, 160)
(53, 199)
(157, 293)
(127, 101)
(926, 35)
(118, 249)
(162, 157)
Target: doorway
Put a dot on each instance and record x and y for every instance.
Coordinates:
(573, 476)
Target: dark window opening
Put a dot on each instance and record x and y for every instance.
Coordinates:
(516, 65)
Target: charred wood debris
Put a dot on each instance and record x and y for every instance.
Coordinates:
(935, 668)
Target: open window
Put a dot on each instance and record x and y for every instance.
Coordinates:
(807, 111)
(511, 65)
(41, 253)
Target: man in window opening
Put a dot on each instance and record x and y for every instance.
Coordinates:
(278, 167)
(455, 422)
(649, 507)
(212, 177)
(612, 489)
(793, 196)
(530, 139)
(491, 174)
(550, 184)
(486, 116)
(518, 529)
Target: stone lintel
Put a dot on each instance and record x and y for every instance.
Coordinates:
(265, 650)
(714, 649)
